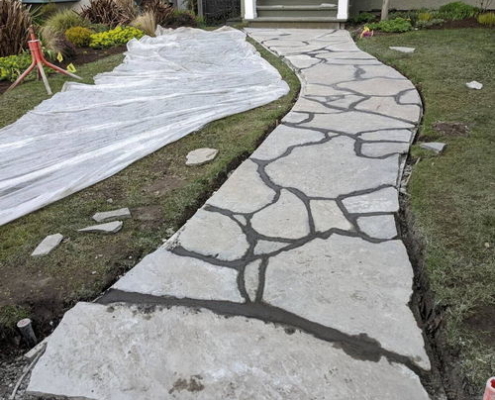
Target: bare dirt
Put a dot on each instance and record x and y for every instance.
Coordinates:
(451, 128)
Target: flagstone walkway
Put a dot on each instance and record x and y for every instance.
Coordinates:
(290, 282)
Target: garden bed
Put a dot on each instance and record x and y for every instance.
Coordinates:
(449, 215)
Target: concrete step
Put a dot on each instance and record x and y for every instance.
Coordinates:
(297, 22)
(294, 2)
(297, 11)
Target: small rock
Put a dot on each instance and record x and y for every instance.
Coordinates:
(201, 156)
(47, 245)
(103, 216)
(487, 245)
(437, 147)
(407, 50)
(110, 201)
(110, 227)
(474, 85)
(36, 349)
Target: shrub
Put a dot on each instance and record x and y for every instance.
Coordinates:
(179, 18)
(108, 12)
(63, 20)
(392, 26)
(161, 10)
(98, 28)
(55, 42)
(41, 13)
(411, 15)
(14, 23)
(487, 19)
(456, 10)
(426, 24)
(79, 36)
(364, 18)
(114, 37)
(425, 16)
(145, 22)
(12, 66)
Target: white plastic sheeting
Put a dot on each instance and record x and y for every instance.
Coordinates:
(166, 88)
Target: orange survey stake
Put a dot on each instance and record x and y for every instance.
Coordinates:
(38, 62)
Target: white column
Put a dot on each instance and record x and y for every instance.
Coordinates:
(249, 9)
(343, 10)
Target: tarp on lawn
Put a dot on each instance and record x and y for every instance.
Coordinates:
(167, 87)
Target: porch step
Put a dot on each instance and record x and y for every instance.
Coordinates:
(297, 22)
(297, 11)
(294, 2)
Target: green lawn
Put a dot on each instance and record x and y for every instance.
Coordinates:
(160, 190)
(453, 195)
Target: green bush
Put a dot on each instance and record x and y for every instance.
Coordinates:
(425, 16)
(179, 18)
(114, 37)
(456, 11)
(364, 18)
(98, 28)
(392, 26)
(411, 15)
(79, 36)
(63, 20)
(420, 24)
(487, 19)
(12, 66)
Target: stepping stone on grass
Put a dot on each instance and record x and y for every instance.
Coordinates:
(201, 156)
(474, 85)
(437, 147)
(103, 216)
(110, 227)
(47, 245)
(407, 50)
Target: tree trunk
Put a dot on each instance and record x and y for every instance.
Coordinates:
(385, 6)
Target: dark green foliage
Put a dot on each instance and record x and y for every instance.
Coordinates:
(396, 25)
(457, 10)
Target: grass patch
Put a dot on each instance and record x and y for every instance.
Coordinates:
(453, 195)
(160, 190)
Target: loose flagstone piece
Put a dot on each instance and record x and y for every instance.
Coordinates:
(407, 50)
(201, 156)
(287, 218)
(378, 226)
(103, 216)
(48, 244)
(437, 147)
(101, 352)
(474, 85)
(110, 227)
(163, 273)
(383, 200)
(352, 285)
(213, 234)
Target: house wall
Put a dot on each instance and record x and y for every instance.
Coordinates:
(369, 5)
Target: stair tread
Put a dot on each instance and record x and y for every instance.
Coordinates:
(297, 19)
(298, 8)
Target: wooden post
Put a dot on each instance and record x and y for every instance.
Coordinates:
(26, 328)
(385, 6)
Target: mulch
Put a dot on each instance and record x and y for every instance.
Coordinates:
(82, 56)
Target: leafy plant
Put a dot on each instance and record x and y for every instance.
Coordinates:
(98, 28)
(63, 20)
(13, 66)
(79, 36)
(456, 11)
(14, 23)
(161, 9)
(146, 22)
(425, 16)
(41, 13)
(487, 19)
(364, 17)
(396, 25)
(420, 24)
(115, 37)
(108, 12)
(411, 15)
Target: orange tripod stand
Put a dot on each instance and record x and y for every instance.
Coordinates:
(38, 62)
